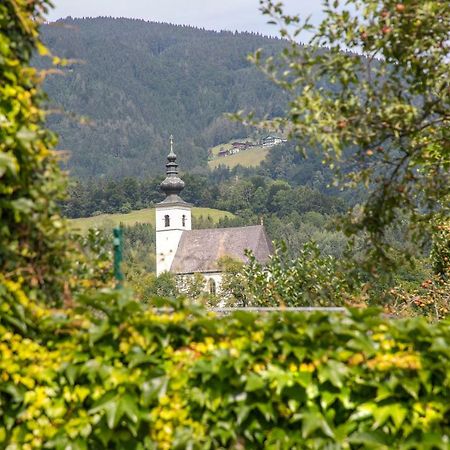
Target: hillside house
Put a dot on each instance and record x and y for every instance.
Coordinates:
(271, 141)
(239, 145)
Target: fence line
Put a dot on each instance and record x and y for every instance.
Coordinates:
(281, 309)
(331, 309)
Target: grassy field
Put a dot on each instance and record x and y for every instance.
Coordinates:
(141, 216)
(247, 158)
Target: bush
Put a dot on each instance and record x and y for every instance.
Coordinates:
(440, 253)
(32, 234)
(311, 279)
(126, 208)
(111, 374)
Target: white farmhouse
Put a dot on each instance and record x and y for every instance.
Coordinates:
(272, 141)
(184, 251)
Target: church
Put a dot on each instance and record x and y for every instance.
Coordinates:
(186, 252)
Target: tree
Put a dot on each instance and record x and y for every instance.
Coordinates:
(32, 234)
(234, 288)
(371, 91)
(311, 279)
(440, 253)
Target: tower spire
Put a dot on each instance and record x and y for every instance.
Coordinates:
(173, 184)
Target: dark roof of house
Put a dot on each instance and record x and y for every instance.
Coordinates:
(201, 250)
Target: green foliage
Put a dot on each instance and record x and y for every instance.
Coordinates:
(311, 279)
(147, 285)
(112, 374)
(193, 287)
(32, 233)
(94, 260)
(285, 167)
(431, 299)
(107, 372)
(292, 213)
(440, 253)
(390, 106)
(234, 285)
(139, 249)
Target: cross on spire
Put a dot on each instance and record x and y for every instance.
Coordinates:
(171, 143)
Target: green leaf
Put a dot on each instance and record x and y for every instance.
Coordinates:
(398, 413)
(254, 382)
(381, 414)
(110, 405)
(369, 438)
(71, 373)
(129, 406)
(313, 421)
(22, 205)
(267, 410)
(141, 358)
(155, 388)
(411, 386)
(8, 163)
(113, 412)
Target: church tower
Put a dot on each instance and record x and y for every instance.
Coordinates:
(173, 215)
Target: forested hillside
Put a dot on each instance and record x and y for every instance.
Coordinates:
(138, 82)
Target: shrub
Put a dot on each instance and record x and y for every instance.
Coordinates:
(311, 279)
(32, 234)
(111, 374)
(440, 252)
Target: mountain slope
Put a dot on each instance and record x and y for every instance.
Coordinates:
(139, 82)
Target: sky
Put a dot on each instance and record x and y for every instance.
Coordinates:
(234, 15)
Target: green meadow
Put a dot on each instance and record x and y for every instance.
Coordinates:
(247, 158)
(141, 216)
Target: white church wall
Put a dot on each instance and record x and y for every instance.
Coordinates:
(168, 237)
(166, 247)
(217, 277)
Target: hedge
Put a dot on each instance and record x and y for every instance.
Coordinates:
(34, 245)
(111, 374)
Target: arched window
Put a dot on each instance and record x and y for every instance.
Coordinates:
(166, 220)
(183, 220)
(212, 286)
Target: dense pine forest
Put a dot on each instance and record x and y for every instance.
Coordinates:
(131, 83)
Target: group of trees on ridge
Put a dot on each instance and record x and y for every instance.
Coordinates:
(288, 192)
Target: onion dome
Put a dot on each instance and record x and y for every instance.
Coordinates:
(173, 184)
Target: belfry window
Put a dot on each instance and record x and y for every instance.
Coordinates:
(166, 220)
(183, 220)
(212, 286)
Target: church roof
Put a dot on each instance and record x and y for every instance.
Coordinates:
(201, 250)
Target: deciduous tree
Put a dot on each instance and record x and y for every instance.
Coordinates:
(372, 93)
